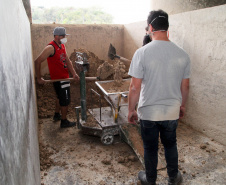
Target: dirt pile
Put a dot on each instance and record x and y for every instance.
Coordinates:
(94, 61)
(119, 72)
(45, 99)
(105, 70)
(46, 94)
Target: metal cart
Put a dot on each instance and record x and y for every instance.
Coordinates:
(108, 119)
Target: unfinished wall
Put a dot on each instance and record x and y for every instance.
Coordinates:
(179, 6)
(94, 38)
(202, 34)
(19, 153)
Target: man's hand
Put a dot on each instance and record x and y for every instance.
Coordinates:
(134, 94)
(132, 117)
(76, 77)
(41, 81)
(182, 112)
(184, 92)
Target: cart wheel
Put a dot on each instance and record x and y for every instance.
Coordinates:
(107, 138)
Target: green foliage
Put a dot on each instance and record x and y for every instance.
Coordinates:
(70, 15)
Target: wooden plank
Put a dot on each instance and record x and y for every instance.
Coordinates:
(131, 134)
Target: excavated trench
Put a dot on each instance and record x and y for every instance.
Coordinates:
(69, 157)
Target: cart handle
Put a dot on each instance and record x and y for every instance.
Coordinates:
(124, 95)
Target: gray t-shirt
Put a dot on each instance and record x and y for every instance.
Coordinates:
(162, 66)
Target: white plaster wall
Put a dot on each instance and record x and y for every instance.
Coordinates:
(133, 37)
(202, 35)
(19, 153)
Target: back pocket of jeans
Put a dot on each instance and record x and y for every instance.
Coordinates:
(172, 125)
(148, 124)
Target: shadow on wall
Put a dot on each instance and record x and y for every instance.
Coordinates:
(133, 38)
(130, 45)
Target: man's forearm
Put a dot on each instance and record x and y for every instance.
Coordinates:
(184, 91)
(184, 97)
(37, 69)
(134, 95)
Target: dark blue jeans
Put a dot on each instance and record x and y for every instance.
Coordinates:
(150, 131)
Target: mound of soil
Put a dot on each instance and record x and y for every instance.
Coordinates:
(94, 61)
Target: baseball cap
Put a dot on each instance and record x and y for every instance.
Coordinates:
(59, 31)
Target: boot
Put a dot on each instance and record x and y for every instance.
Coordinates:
(65, 123)
(177, 180)
(143, 179)
(56, 117)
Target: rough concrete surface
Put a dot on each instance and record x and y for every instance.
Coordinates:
(206, 48)
(19, 153)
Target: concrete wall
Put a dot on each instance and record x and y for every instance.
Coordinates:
(94, 38)
(133, 38)
(202, 34)
(179, 6)
(19, 153)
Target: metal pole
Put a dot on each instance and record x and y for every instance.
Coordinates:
(83, 95)
(77, 116)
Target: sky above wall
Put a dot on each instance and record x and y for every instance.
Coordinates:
(123, 11)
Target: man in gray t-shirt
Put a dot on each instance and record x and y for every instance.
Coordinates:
(160, 80)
